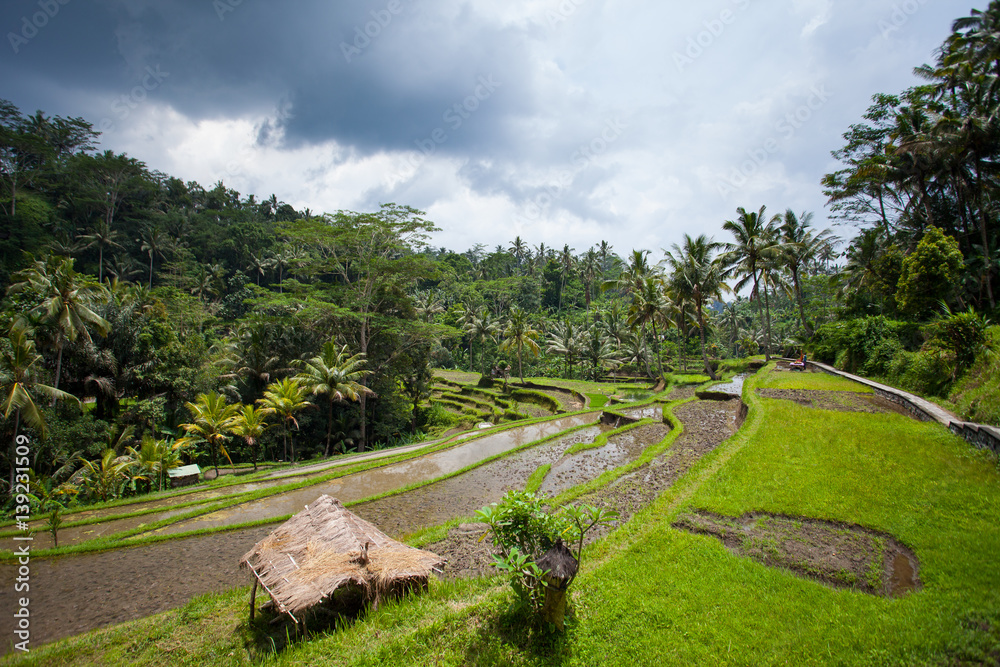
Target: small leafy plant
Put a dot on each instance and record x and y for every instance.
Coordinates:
(523, 531)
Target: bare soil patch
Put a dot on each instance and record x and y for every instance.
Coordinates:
(841, 555)
(841, 401)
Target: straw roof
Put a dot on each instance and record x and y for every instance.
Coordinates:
(326, 547)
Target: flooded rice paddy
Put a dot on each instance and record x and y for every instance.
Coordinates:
(382, 480)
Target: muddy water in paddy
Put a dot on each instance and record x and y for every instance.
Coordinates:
(380, 480)
(648, 412)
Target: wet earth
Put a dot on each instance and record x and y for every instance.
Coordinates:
(841, 555)
(843, 401)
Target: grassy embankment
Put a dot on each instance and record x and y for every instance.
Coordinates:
(651, 594)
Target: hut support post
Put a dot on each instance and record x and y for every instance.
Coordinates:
(253, 598)
(554, 607)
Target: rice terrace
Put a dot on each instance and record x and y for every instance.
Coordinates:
(580, 398)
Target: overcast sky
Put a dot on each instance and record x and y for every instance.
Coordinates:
(561, 121)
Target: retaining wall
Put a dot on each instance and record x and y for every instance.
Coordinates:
(979, 435)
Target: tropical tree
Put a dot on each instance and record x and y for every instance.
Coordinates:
(285, 398)
(565, 340)
(746, 257)
(67, 297)
(19, 382)
(103, 236)
(210, 422)
(105, 477)
(481, 327)
(249, 423)
(337, 375)
(155, 243)
(648, 307)
(518, 335)
(698, 278)
(803, 246)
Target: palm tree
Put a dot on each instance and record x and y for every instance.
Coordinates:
(588, 273)
(284, 398)
(518, 248)
(564, 340)
(802, 246)
(566, 264)
(697, 278)
(481, 327)
(518, 334)
(148, 459)
(746, 257)
(337, 375)
(19, 383)
(103, 237)
(210, 421)
(249, 423)
(104, 477)
(67, 299)
(597, 349)
(648, 306)
(155, 242)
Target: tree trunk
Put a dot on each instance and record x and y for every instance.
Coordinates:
(329, 428)
(363, 436)
(704, 356)
(659, 360)
(13, 449)
(58, 366)
(767, 331)
(798, 297)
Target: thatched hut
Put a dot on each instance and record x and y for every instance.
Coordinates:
(326, 550)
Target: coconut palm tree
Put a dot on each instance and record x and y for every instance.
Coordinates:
(284, 398)
(154, 242)
(565, 340)
(19, 382)
(103, 237)
(67, 300)
(104, 477)
(802, 247)
(745, 258)
(337, 375)
(249, 423)
(481, 327)
(211, 419)
(698, 278)
(518, 335)
(648, 307)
